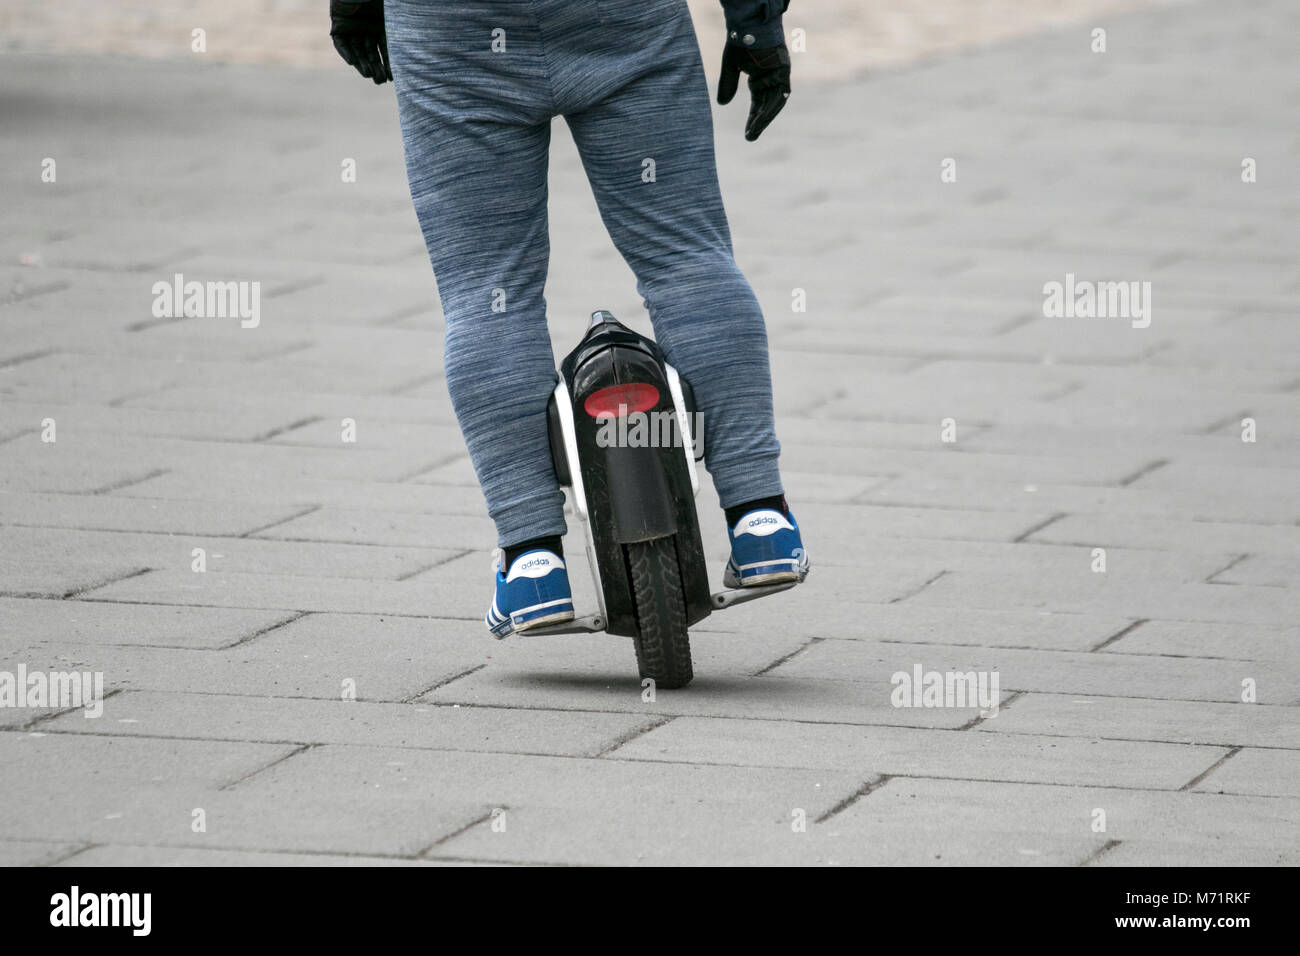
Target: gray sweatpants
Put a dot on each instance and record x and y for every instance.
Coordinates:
(478, 82)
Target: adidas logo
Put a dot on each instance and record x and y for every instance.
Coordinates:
(535, 566)
(763, 524)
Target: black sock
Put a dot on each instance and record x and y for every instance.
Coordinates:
(552, 543)
(736, 512)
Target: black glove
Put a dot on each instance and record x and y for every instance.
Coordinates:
(358, 32)
(769, 83)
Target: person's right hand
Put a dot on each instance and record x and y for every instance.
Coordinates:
(358, 32)
(769, 83)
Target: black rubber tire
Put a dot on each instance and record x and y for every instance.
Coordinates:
(663, 647)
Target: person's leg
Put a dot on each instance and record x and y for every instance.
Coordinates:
(476, 129)
(635, 97)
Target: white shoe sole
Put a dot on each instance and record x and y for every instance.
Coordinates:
(559, 618)
(776, 577)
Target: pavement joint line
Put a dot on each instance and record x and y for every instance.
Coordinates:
(17, 435)
(1002, 705)
(275, 524)
(503, 862)
(246, 607)
(808, 411)
(26, 357)
(917, 590)
(870, 786)
(1225, 569)
(442, 682)
(310, 745)
(1060, 650)
(1232, 752)
(1041, 525)
(851, 348)
(41, 718)
(1142, 472)
(483, 818)
(916, 366)
(283, 352)
(121, 400)
(1224, 422)
(299, 749)
(996, 780)
(1121, 633)
(405, 312)
(423, 379)
(292, 426)
(654, 723)
(61, 732)
(786, 658)
(1100, 851)
(1069, 388)
(379, 701)
(1145, 740)
(75, 593)
(144, 325)
(32, 292)
(470, 705)
(354, 854)
(462, 553)
(1167, 258)
(261, 632)
(126, 482)
(425, 469)
(295, 285)
(64, 857)
(1040, 690)
(216, 537)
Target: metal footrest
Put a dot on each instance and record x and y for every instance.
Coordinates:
(592, 624)
(595, 624)
(740, 595)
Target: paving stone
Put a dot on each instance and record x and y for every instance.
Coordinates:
(1157, 852)
(916, 818)
(1116, 591)
(22, 579)
(124, 855)
(89, 622)
(336, 567)
(64, 546)
(1171, 534)
(308, 657)
(1063, 672)
(108, 513)
(1210, 640)
(1269, 772)
(926, 753)
(1137, 718)
(33, 852)
(298, 720)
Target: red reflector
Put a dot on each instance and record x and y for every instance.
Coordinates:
(618, 400)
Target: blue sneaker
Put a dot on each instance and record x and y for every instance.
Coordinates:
(534, 593)
(765, 549)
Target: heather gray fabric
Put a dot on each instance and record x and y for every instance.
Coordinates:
(627, 77)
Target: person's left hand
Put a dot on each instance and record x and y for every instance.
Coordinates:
(769, 83)
(358, 32)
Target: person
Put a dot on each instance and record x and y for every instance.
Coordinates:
(478, 83)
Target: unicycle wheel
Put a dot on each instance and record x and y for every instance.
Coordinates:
(663, 647)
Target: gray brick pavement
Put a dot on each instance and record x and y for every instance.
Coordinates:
(359, 569)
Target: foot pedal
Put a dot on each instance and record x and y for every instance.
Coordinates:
(592, 624)
(740, 595)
